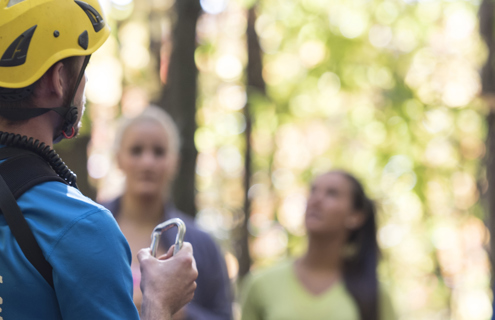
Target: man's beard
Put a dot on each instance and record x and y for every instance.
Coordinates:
(78, 126)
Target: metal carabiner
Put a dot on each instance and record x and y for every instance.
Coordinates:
(159, 229)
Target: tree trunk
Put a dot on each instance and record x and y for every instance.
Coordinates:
(178, 98)
(255, 85)
(487, 25)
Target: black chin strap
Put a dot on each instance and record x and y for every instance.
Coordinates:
(14, 114)
(68, 113)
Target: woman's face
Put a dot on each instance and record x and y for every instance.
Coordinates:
(145, 158)
(330, 210)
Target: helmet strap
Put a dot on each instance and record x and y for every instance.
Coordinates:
(70, 113)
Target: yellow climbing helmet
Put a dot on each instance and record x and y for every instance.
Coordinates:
(35, 34)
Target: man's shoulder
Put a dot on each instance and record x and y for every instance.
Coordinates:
(55, 200)
(64, 221)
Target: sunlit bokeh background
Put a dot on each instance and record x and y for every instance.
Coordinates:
(387, 89)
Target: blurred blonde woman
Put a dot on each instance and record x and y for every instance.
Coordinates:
(336, 278)
(147, 152)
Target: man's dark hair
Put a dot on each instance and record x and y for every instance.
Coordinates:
(27, 102)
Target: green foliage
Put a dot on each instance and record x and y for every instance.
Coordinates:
(386, 90)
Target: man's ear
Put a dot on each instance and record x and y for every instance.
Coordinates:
(53, 82)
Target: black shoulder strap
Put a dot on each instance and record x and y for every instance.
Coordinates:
(21, 171)
(24, 169)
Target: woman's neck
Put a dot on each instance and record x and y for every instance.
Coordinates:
(324, 254)
(142, 210)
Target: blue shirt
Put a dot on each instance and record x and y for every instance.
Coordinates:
(212, 298)
(89, 255)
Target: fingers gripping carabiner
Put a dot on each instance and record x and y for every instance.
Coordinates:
(157, 232)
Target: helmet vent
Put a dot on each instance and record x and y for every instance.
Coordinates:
(16, 53)
(13, 3)
(83, 40)
(93, 15)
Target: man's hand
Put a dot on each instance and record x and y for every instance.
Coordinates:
(168, 283)
(180, 315)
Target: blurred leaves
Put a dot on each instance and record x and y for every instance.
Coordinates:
(387, 90)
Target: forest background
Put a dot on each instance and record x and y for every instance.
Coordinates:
(269, 94)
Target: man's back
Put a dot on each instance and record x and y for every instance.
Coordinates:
(89, 255)
(45, 48)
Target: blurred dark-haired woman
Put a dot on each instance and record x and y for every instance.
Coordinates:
(336, 278)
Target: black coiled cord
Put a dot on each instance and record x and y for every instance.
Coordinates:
(47, 153)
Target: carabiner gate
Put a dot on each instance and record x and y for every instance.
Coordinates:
(159, 229)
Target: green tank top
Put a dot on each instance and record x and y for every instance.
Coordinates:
(277, 294)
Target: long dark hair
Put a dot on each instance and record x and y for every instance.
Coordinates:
(359, 270)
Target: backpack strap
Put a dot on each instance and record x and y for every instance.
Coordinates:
(21, 171)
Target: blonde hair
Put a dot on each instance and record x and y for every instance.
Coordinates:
(155, 114)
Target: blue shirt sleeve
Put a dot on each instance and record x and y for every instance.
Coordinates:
(91, 269)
